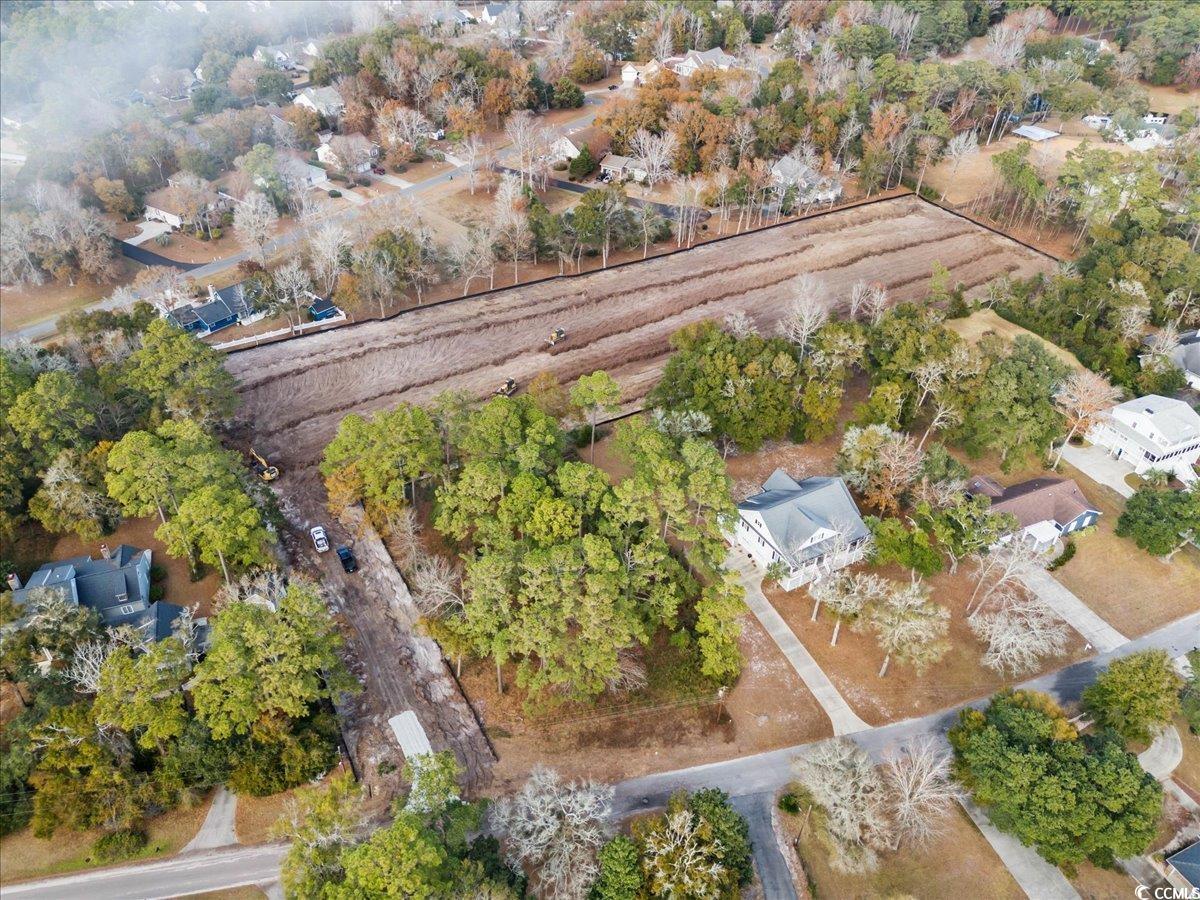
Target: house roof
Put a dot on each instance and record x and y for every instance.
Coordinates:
(1035, 133)
(614, 161)
(1173, 419)
(320, 305)
(596, 139)
(793, 511)
(1187, 354)
(165, 198)
(1187, 863)
(326, 99)
(1034, 501)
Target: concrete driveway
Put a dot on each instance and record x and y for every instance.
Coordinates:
(393, 181)
(1096, 464)
(356, 199)
(148, 231)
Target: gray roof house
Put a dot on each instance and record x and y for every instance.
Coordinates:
(325, 101)
(1183, 868)
(1187, 357)
(812, 527)
(116, 586)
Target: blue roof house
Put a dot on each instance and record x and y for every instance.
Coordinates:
(116, 586)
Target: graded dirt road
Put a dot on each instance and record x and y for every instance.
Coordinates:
(295, 392)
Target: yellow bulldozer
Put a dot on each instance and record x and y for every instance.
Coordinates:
(262, 468)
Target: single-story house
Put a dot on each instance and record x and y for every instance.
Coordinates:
(1152, 432)
(623, 167)
(295, 170)
(1187, 357)
(325, 101)
(229, 306)
(282, 56)
(693, 61)
(812, 527)
(163, 206)
(1045, 508)
(454, 18)
(569, 146)
(116, 586)
(322, 308)
(1183, 869)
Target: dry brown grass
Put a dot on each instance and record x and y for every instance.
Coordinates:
(28, 305)
(1095, 883)
(1187, 774)
(23, 856)
(249, 892)
(1127, 587)
(987, 321)
(958, 864)
(853, 665)
(257, 815)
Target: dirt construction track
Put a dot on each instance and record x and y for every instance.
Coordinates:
(296, 392)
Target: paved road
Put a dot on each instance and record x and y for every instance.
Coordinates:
(150, 258)
(843, 718)
(773, 873)
(762, 773)
(1074, 611)
(42, 330)
(175, 877)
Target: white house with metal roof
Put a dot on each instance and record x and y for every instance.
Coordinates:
(812, 527)
(1152, 432)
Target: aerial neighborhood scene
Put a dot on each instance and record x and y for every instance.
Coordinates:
(600, 449)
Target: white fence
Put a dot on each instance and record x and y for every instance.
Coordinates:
(291, 330)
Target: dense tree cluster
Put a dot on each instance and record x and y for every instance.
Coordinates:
(564, 572)
(1072, 796)
(121, 728)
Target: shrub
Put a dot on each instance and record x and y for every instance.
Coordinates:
(335, 194)
(157, 573)
(790, 804)
(216, 234)
(1063, 558)
(162, 239)
(157, 592)
(119, 845)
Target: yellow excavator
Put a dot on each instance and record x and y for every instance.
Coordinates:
(262, 468)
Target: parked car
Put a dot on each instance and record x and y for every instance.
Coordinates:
(613, 87)
(379, 170)
(319, 538)
(346, 555)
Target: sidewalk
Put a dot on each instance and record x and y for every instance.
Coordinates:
(1077, 614)
(844, 719)
(1037, 878)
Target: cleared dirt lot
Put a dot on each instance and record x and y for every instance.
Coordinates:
(296, 392)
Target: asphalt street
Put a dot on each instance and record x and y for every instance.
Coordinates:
(762, 774)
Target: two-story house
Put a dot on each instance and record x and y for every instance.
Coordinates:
(116, 586)
(1152, 432)
(812, 527)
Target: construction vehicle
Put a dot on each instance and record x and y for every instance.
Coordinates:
(262, 468)
(555, 336)
(507, 389)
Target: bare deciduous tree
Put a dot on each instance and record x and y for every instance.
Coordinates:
(1020, 631)
(959, 149)
(806, 314)
(921, 793)
(326, 244)
(1002, 567)
(657, 153)
(86, 662)
(253, 220)
(556, 827)
(290, 285)
(847, 595)
(1082, 399)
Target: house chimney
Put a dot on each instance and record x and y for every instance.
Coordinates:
(104, 554)
(14, 581)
